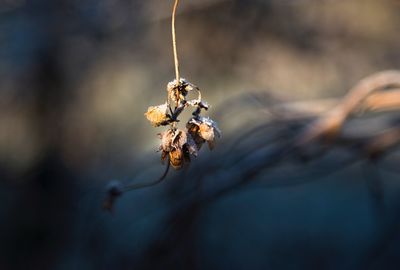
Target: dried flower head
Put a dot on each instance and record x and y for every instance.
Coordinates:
(203, 129)
(158, 115)
(179, 91)
(179, 145)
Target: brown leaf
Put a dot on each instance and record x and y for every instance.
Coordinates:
(158, 115)
(193, 130)
(206, 132)
(167, 140)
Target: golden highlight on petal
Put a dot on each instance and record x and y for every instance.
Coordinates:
(157, 115)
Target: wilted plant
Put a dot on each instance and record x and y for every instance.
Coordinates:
(177, 145)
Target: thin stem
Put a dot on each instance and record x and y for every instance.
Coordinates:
(115, 191)
(174, 42)
(149, 184)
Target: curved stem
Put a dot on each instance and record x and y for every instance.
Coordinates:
(174, 42)
(149, 184)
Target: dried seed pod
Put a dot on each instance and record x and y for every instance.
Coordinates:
(203, 129)
(179, 145)
(176, 158)
(158, 115)
(178, 91)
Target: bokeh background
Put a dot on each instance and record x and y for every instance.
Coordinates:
(75, 80)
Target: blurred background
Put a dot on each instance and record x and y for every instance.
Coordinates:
(75, 80)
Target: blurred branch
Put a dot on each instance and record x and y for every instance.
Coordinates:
(273, 146)
(376, 102)
(387, 100)
(383, 142)
(327, 118)
(329, 124)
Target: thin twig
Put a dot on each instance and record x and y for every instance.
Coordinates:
(148, 184)
(174, 42)
(384, 101)
(116, 190)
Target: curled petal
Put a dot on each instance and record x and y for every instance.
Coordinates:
(206, 132)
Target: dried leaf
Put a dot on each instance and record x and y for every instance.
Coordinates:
(178, 91)
(158, 115)
(206, 132)
(166, 140)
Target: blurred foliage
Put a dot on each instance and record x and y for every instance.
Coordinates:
(76, 78)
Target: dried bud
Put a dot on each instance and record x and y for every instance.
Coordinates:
(158, 115)
(178, 91)
(203, 129)
(178, 145)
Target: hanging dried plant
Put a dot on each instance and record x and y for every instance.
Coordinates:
(178, 144)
